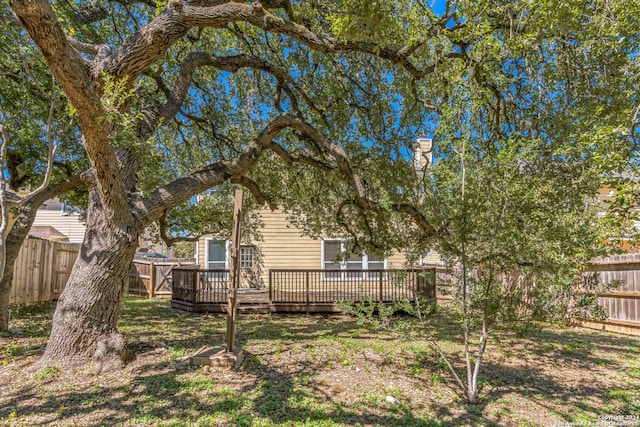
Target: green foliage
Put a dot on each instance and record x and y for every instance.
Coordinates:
(531, 106)
(212, 213)
(28, 94)
(117, 100)
(46, 373)
(397, 317)
(184, 249)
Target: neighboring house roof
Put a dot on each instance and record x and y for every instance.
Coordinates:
(63, 218)
(47, 232)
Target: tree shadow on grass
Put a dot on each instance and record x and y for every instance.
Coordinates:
(165, 392)
(174, 397)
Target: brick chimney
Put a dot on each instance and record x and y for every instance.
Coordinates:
(422, 154)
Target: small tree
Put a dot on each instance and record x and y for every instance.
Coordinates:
(516, 239)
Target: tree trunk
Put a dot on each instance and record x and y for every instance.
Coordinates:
(5, 291)
(13, 242)
(84, 329)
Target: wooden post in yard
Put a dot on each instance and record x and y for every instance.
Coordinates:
(228, 356)
(234, 271)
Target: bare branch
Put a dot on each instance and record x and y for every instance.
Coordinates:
(52, 145)
(83, 47)
(170, 240)
(4, 205)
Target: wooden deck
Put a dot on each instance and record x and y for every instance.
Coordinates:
(199, 290)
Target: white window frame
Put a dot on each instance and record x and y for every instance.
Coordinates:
(253, 257)
(343, 264)
(226, 251)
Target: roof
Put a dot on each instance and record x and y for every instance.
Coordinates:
(47, 232)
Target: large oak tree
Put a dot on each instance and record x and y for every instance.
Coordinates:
(124, 89)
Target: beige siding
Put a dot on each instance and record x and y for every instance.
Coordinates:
(68, 225)
(432, 258)
(284, 247)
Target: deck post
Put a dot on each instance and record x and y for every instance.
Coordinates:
(194, 284)
(270, 287)
(306, 281)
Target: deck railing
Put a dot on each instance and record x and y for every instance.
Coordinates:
(329, 286)
(306, 287)
(195, 285)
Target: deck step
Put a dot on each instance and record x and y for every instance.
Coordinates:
(253, 308)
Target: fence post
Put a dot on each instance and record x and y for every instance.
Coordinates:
(152, 279)
(381, 288)
(51, 270)
(270, 287)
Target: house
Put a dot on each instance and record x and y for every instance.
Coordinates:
(284, 246)
(628, 242)
(64, 218)
(56, 219)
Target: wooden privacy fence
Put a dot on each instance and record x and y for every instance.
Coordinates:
(153, 277)
(622, 303)
(42, 270)
(620, 273)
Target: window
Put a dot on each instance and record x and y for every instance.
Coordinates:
(216, 255)
(331, 251)
(348, 265)
(247, 257)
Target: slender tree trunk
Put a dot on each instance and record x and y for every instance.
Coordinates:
(13, 242)
(5, 291)
(84, 323)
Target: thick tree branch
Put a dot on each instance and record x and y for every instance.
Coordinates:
(65, 62)
(153, 115)
(301, 159)
(170, 240)
(67, 67)
(83, 47)
(151, 42)
(167, 197)
(4, 205)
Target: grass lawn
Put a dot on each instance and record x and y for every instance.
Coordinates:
(317, 370)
